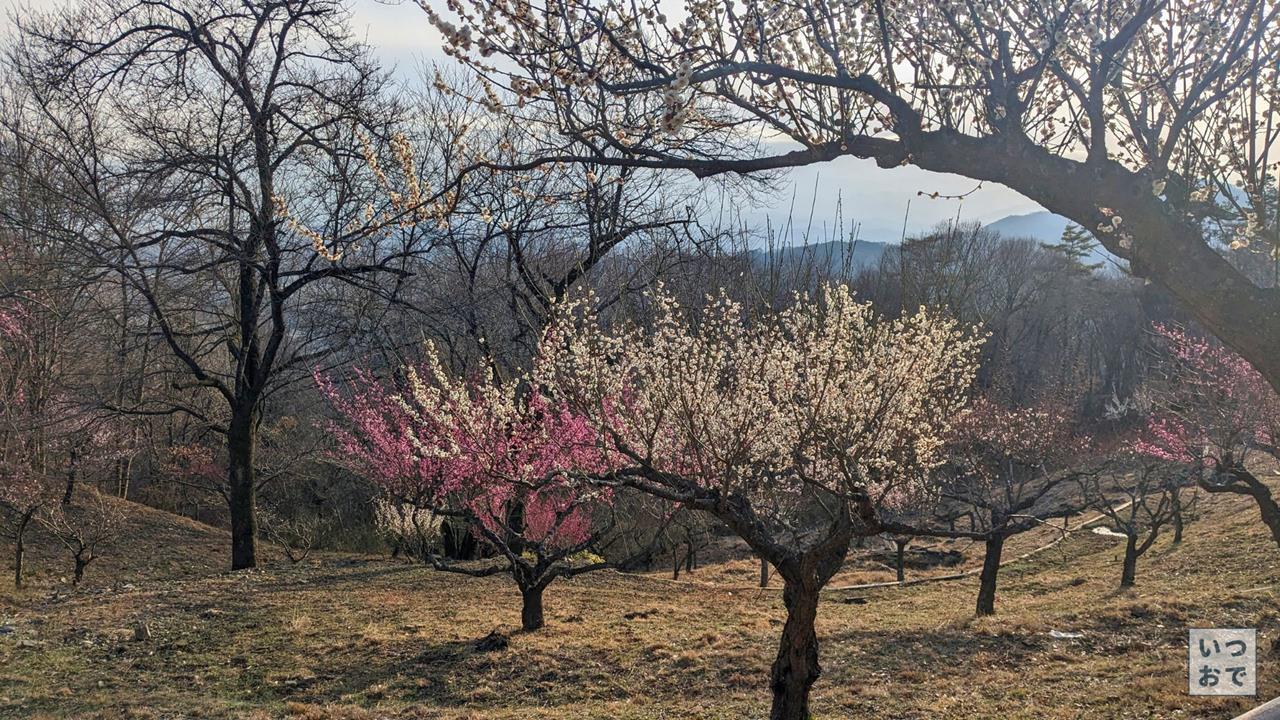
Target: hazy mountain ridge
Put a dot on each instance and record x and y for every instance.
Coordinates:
(835, 253)
(1041, 226)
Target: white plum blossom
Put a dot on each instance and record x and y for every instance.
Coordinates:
(822, 396)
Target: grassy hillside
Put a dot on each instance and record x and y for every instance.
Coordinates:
(152, 545)
(365, 638)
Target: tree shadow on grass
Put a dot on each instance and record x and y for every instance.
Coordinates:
(473, 673)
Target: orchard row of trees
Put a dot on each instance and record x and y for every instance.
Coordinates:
(799, 429)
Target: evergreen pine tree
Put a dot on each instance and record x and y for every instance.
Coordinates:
(1076, 246)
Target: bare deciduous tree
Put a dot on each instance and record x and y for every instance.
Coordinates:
(213, 145)
(1138, 505)
(85, 527)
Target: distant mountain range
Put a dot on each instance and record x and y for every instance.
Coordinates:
(838, 254)
(1042, 226)
(1046, 227)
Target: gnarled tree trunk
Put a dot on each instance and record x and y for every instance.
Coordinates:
(804, 574)
(1130, 571)
(1244, 482)
(1270, 512)
(531, 614)
(81, 563)
(796, 667)
(990, 569)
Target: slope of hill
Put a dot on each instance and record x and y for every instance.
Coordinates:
(360, 638)
(151, 544)
(1043, 226)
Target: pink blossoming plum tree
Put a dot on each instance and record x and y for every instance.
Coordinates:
(499, 456)
(1213, 412)
(1006, 464)
(785, 426)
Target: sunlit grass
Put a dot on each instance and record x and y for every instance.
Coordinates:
(366, 638)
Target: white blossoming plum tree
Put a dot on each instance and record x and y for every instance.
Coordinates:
(1132, 119)
(789, 427)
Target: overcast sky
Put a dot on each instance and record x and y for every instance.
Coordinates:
(875, 199)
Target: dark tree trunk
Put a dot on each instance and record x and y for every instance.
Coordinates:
(1162, 246)
(1270, 512)
(81, 564)
(1127, 576)
(1176, 517)
(242, 492)
(901, 546)
(1244, 482)
(531, 616)
(764, 573)
(675, 563)
(689, 558)
(18, 551)
(20, 545)
(987, 581)
(796, 668)
(71, 480)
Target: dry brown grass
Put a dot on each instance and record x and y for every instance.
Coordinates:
(354, 638)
